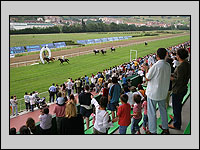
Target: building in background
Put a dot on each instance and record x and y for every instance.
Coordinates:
(20, 26)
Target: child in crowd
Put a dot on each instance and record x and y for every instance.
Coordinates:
(105, 90)
(123, 114)
(128, 91)
(102, 120)
(141, 90)
(145, 118)
(137, 114)
(45, 121)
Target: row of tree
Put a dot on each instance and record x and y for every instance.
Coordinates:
(93, 27)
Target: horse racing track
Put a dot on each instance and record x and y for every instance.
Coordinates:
(40, 77)
(29, 59)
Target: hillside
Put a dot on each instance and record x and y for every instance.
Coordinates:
(185, 20)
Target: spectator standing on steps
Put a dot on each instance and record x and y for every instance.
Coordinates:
(85, 104)
(113, 96)
(52, 92)
(102, 118)
(179, 79)
(59, 110)
(123, 114)
(158, 77)
(137, 114)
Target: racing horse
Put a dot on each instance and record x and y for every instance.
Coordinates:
(63, 60)
(96, 51)
(103, 52)
(112, 49)
(49, 59)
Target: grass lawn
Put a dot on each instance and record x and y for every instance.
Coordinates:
(40, 77)
(37, 39)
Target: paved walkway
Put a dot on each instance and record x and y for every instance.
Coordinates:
(18, 121)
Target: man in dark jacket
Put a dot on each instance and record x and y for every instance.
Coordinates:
(179, 80)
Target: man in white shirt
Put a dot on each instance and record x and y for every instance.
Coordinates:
(69, 86)
(52, 92)
(158, 78)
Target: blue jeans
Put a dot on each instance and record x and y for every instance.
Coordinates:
(107, 76)
(28, 107)
(122, 129)
(69, 92)
(32, 107)
(51, 97)
(152, 120)
(145, 121)
(177, 108)
(14, 107)
(112, 106)
(134, 126)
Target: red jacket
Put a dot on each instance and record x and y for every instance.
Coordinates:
(124, 114)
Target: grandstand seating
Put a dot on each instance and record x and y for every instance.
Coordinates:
(115, 38)
(91, 41)
(32, 48)
(104, 39)
(15, 50)
(49, 45)
(97, 40)
(110, 39)
(60, 44)
(121, 38)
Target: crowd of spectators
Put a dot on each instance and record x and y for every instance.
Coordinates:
(159, 71)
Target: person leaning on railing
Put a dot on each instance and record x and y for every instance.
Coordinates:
(14, 104)
(27, 101)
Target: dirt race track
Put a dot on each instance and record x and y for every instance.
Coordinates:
(30, 59)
